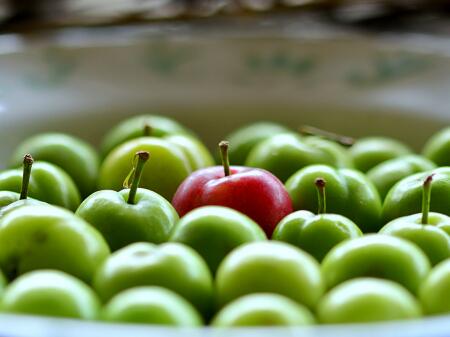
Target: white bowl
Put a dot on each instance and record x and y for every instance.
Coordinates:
(83, 82)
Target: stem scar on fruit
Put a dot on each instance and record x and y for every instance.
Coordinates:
(224, 146)
(139, 160)
(321, 195)
(27, 165)
(426, 198)
(313, 131)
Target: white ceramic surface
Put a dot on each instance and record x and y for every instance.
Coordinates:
(349, 83)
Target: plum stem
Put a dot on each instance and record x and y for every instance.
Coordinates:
(135, 175)
(147, 130)
(321, 195)
(224, 145)
(426, 198)
(313, 131)
(27, 165)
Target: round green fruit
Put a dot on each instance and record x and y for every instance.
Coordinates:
(151, 305)
(437, 148)
(170, 265)
(376, 255)
(51, 293)
(269, 267)
(49, 237)
(141, 126)
(167, 169)
(368, 152)
(263, 310)
(367, 300)
(435, 290)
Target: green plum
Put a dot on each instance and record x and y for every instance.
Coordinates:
(274, 267)
(423, 229)
(131, 215)
(51, 293)
(73, 155)
(164, 173)
(247, 137)
(285, 154)
(316, 234)
(371, 151)
(214, 231)
(376, 255)
(47, 183)
(349, 193)
(41, 237)
(367, 300)
(435, 290)
(437, 148)
(139, 126)
(170, 265)
(196, 153)
(390, 172)
(405, 197)
(151, 305)
(263, 310)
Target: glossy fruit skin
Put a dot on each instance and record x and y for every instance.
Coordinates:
(405, 198)
(150, 219)
(51, 293)
(435, 290)
(78, 158)
(163, 173)
(263, 310)
(253, 192)
(214, 231)
(348, 193)
(369, 152)
(269, 267)
(151, 305)
(367, 300)
(315, 234)
(171, 265)
(49, 237)
(134, 127)
(376, 255)
(390, 172)
(244, 139)
(195, 151)
(431, 238)
(285, 154)
(437, 148)
(11, 200)
(48, 183)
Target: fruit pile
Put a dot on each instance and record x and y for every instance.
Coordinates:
(304, 227)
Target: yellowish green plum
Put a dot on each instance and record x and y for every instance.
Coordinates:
(51, 293)
(151, 305)
(390, 172)
(168, 168)
(214, 231)
(263, 310)
(435, 290)
(269, 267)
(171, 265)
(376, 255)
(140, 126)
(367, 300)
(195, 151)
(47, 237)
(437, 148)
(369, 152)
